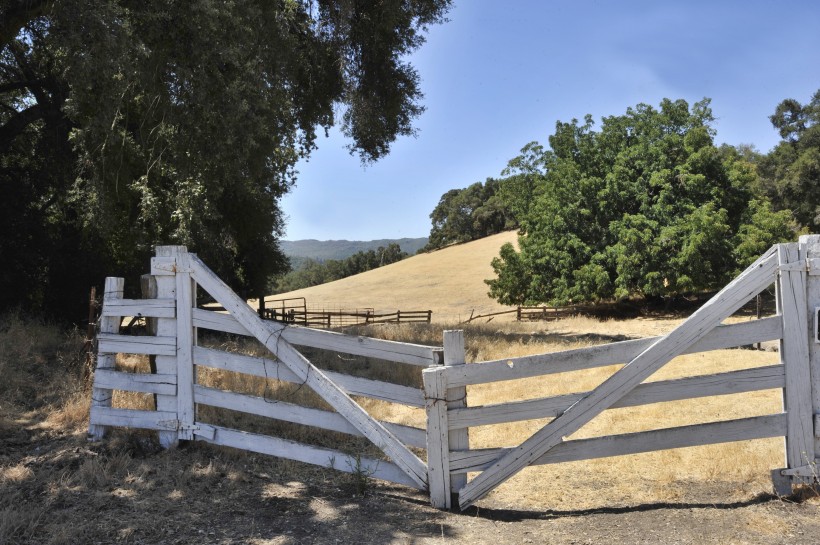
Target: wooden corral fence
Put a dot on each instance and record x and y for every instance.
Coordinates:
(530, 314)
(341, 318)
(794, 268)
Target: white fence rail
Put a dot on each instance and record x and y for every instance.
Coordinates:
(172, 345)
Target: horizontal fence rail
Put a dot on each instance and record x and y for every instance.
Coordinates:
(174, 323)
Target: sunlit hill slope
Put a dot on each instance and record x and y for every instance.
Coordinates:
(450, 282)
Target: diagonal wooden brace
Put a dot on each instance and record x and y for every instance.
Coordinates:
(270, 334)
(754, 279)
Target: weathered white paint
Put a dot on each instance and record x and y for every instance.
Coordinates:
(135, 382)
(754, 279)
(438, 443)
(167, 327)
(106, 359)
(794, 353)
(270, 334)
(128, 344)
(289, 412)
(758, 427)
(185, 343)
(810, 248)
(724, 336)
(732, 382)
(132, 418)
(455, 356)
(271, 369)
(148, 308)
(291, 450)
(413, 354)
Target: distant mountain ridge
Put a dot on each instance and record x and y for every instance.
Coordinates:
(323, 250)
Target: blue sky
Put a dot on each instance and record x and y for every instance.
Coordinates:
(499, 74)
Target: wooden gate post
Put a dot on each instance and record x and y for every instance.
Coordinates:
(455, 354)
(810, 248)
(796, 308)
(439, 399)
(167, 327)
(185, 346)
(101, 397)
(438, 442)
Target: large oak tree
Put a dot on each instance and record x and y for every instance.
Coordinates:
(127, 123)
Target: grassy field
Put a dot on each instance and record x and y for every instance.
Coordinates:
(450, 282)
(56, 488)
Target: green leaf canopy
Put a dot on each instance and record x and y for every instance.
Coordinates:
(645, 206)
(125, 124)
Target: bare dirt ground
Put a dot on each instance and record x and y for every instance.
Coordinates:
(57, 488)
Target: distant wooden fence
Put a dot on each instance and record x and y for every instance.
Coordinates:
(449, 457)
(530, 314)
(341, 318)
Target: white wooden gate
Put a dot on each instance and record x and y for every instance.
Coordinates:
(794, 268)
(792, 265)
(177, 272)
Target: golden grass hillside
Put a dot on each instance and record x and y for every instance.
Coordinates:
(450, 282)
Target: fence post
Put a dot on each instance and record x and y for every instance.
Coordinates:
(455, 354)
(794, 354)
(810, 249)
(185, 347)
(148, 288)
(167, 327)
(438, 443)
(101, 397)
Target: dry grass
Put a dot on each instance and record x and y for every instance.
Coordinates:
(742, 468)
(57, 489)
(450, 282)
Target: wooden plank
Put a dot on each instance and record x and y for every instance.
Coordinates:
(167, 363)
(810, 248)
(455, 356)
(288, 412)
(217, 321)
(165, 263)
(291, 450)
(438, 443)
(109, 325)
(365, 387)
(149, 308)
(131, 418)
(794, 353)
(724, 336)
(136, 382)
(413, 354)
(185, 343)
(758, 427)
(270, 369)
(754, 279)
(270, 334)
(732, 382)
(112, 343)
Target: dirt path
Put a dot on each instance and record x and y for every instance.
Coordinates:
(57, 489)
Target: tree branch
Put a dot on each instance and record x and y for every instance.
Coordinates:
(17, 14)
(17, 124)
